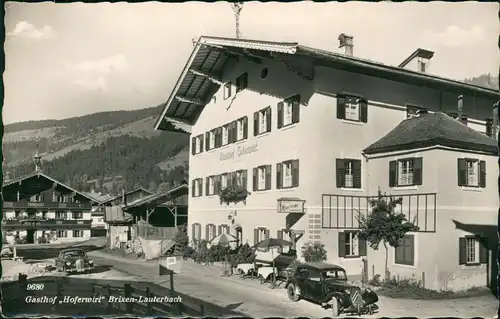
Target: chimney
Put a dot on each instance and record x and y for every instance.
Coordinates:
(422, 57)
(346, 42)
(460, 107)
(496, 114)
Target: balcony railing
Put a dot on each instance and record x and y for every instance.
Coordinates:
(26, 204)
(343, 211)
(45, 222)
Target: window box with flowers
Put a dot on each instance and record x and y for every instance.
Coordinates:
(233, 194)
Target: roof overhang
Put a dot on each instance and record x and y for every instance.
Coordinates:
(201, 76)
(155, 200)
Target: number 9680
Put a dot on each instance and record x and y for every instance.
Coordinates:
(34, 287)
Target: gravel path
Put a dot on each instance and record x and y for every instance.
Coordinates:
(254, 299)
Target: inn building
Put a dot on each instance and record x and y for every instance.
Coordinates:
(39, 209)
(314, 135)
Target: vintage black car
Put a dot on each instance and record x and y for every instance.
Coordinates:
(74, 260)
(327, 285)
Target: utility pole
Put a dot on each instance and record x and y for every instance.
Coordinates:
(237, 7)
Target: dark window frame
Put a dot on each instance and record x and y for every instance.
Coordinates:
(340, 169)
(343, 98)
(267, 111)
(417, 165)
(242, 82)
(295, 171)
(481, 172)
(294, 100)
(227, 90)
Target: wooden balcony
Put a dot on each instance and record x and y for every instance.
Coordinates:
(45, 205)
(45, 223)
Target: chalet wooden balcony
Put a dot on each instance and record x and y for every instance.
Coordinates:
(26, 205)
(40, 222)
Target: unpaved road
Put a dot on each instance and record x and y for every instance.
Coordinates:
(256, 300)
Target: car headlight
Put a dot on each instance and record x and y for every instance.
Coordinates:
(91, 262)
(348, 291)
(68, 263)
(368, 290)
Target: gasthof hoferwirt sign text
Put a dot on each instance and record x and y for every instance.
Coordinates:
(238, 152)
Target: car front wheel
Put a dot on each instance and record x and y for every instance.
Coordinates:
(293, 293)
(335, 307)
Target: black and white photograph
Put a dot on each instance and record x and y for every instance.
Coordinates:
(251, 159)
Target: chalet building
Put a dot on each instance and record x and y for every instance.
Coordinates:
(153, 219)
(39, 209)
(97, 213)
(313, 135)
(126, 197)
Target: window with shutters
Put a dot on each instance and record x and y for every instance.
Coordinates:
(473, 250)
(212, 138)
(242, 128)
(197, 144)
(260, 234)
(196, 235)
(224, 229)
(404, 253)
(210, 187)
(350, 245)
(242, 82)
(62, 233)
(77, 215)
(210, 232)
(471, 172)
(262, 121)
(223, 180)
(197, 187)
(352, 108)
(405, 169)
(348, 173)
(241, 178)
(36, 198)
(227, 90)
(225, 134)
(261, 181)
(77, 233)
(288, 111)
(287, 174)
(61, 215)
(405, 172)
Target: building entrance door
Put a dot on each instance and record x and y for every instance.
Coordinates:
(30, 236)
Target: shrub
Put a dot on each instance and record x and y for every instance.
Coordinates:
(243, 255)
(188, 252)
(314, 252)
(218, 253)
(375, 281)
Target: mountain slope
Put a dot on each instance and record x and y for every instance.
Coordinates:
(110, 149)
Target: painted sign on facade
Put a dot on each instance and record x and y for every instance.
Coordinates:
(291, 206)
(238, 152)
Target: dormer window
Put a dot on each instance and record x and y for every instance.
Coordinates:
(242, 82)
(227, 90)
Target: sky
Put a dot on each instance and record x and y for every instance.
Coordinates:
(65, 60)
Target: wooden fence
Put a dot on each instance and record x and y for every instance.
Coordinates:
(151, 232)
(173, 307)
(64, 287)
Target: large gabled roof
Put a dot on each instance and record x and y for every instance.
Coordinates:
(127, 193)
(433, 129)
(41, 174)
(160, 198)
(211, 54)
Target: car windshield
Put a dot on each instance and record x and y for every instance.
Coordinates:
(74, 253)
(338, 274)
